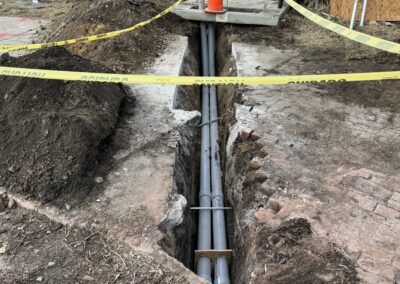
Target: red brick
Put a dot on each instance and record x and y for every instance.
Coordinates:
(378, 264)
(394, 184)
(263, 152)
(364, 173)
(267, 189)
(260, 143)
(267, 218)
(244, 135)
(254, 136)
(253, 165)
(387, 212)
(362, 201)
(260, 176)
(373, 190)
(394, 201)
(274, 205)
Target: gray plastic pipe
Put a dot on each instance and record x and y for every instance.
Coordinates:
(221, 275)
(364, 12)
(353, 16)
(203, 268)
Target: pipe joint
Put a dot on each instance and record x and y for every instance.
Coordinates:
(205, 194)
(217, 201)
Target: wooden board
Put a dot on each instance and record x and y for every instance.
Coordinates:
(213, 254)
(377, 10)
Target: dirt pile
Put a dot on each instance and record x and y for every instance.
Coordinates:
(125, 53)
(51, 132)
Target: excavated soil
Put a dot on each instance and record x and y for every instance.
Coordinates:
(129, 52)
(52, 132)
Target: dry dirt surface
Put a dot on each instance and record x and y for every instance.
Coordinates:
(129, 52)
(34, 249)
(291, 254)
(52, 132)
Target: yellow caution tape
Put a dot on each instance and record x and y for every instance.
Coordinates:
(7, 48)
(343, 31)
(195, 80)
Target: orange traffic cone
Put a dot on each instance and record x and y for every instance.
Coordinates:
(215, 6)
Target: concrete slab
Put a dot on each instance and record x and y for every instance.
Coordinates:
(26, 4)
(259, 12)
(321, 160)
(19, 30)
(154, 123)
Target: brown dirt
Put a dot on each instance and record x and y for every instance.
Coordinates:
(36, 248)
(53, 131)
(292, 255)
(126, 53)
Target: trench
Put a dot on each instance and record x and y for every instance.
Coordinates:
(257, 252)
(182, 241)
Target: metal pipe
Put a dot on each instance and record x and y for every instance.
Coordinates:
(204, 227)
(364, 12)
(353, 17)
(221, 275)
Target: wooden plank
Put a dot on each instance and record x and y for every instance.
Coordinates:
(389, 10)
(377, 10)
(213, 254)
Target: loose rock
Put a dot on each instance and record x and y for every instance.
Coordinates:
(11, 203)
(99, 179)
(89, 278)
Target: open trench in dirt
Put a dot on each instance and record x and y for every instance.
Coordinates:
(279, 252)
(265, 249)
(259, 252)
(180, 240)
